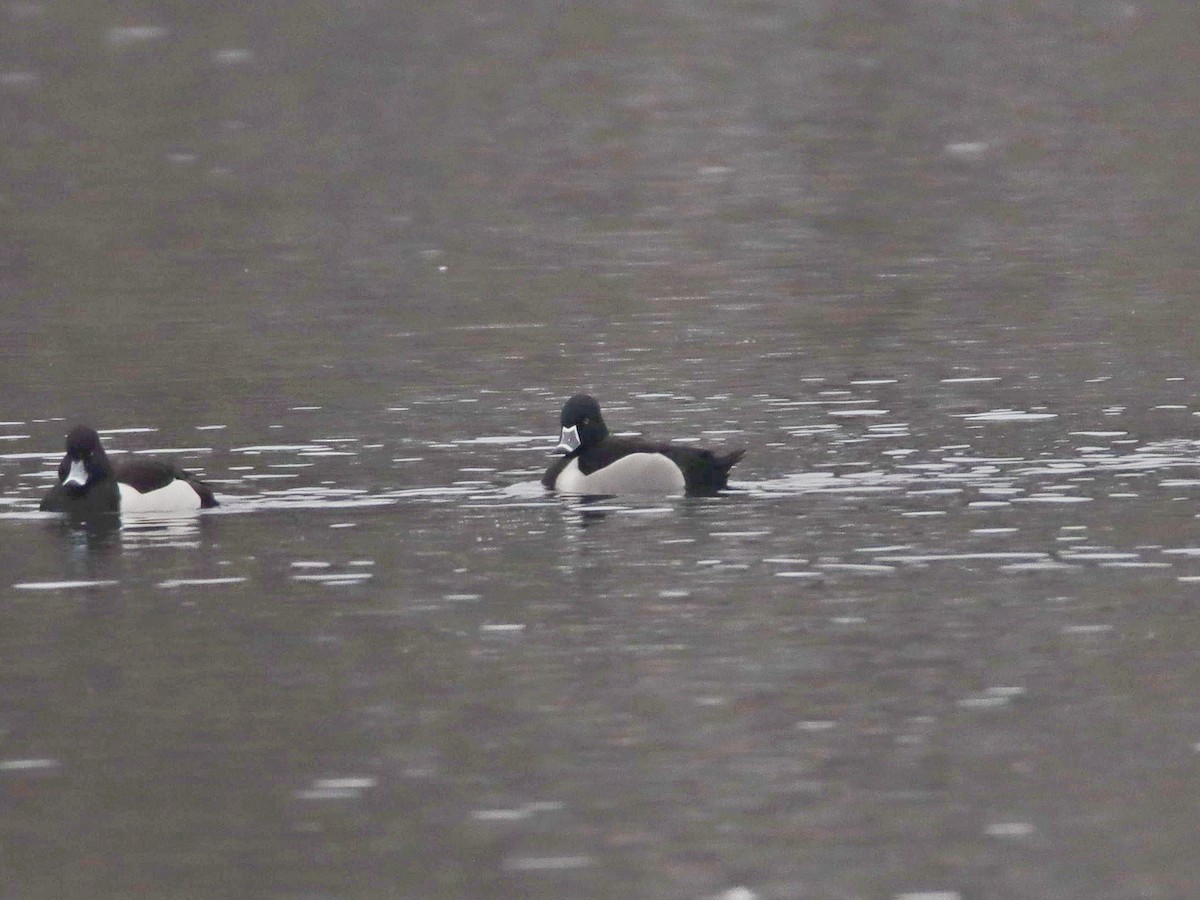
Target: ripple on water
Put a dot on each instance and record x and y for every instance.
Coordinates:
(1009, 829)
(199, 582)
(517, 814)
(131, 35)
(30, 766)
(62, 585)
(1008, 415)
(300, 498)
(234, 56)
(923, 559)
(318, 571)
(547, 863)
(339, 788)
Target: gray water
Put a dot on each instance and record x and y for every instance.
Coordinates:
(933, 264)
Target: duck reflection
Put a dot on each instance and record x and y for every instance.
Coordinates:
(103, 533)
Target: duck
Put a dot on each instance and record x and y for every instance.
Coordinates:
(88, 483)
(598, 464)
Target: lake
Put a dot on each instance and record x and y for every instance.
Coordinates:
(933, 265)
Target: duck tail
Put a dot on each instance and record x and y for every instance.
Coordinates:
(731, 459)
(207, 498)
(722, 463)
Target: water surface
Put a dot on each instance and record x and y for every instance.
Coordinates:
(930, 264)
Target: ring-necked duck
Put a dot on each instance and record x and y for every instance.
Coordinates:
(597, 463)
(89, 484)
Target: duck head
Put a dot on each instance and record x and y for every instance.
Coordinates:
(85, 461)
(582, 425)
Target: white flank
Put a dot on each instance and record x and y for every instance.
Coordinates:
(178, 496)
(636, 473)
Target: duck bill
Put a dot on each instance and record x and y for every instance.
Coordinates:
(568, 441)
(77, 476)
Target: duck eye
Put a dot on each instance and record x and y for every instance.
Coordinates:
(586, 420)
